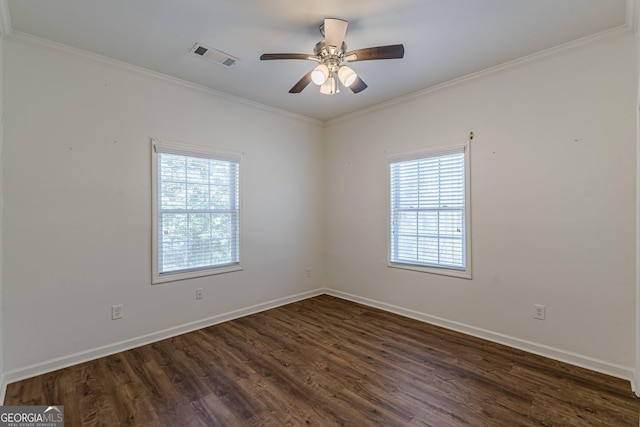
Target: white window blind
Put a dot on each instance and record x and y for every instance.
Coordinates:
(428, 209)
(197, 212)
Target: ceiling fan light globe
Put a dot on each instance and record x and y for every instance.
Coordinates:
(320, 74)
(347, 76)
(329, 87)
(350, 80)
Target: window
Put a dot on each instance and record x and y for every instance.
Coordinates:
(196, 211)
(429, 224)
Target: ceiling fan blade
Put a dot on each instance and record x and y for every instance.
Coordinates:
(358, 86)
(334, 32)
(302, 83)
(269, 56)
(393, 51)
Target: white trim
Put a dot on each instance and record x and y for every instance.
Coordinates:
(185, 275)
(464, 147)
(428, 152)
(442, 271)
(637, 334)
(5, 31)
(184, 149)
(3, 388)
(528, 346)
(603, 35)
(631, 15)
(87, 355)
(107, 350)
(29, 38)
(164, 146)
(5, 19)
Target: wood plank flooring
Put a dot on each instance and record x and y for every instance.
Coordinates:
(329, 362)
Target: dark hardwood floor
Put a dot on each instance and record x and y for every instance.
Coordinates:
(324, 362)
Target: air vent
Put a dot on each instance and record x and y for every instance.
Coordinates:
(213, 55)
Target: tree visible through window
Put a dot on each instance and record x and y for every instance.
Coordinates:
(197, 212)
(428, 211)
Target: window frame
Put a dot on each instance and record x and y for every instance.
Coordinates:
(465, 273)
(189, 150)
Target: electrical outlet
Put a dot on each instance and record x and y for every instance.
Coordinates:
(539, 311)
(116, 312)
(308, 271)
(199, 293)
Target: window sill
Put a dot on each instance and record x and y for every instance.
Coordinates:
(463, 274)
(173, 277)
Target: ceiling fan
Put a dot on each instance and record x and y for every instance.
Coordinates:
(330, 53)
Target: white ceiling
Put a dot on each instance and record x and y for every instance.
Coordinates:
(443, 39)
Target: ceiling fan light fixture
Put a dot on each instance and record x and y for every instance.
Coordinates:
(329, 87)
(329, 53)
(320, 74)
(347, 76)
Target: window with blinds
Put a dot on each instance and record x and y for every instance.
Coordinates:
(429, 221)
(196, 211)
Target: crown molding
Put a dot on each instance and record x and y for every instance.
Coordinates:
(5, 19)
(632, 17)
(603, 35)
(49, 44)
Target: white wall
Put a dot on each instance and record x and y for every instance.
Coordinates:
(2, 389)
(553, 205)
(78, 204)
(637, 112)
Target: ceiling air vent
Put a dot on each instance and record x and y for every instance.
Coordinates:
(213, 55)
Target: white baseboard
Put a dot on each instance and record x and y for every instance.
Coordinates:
(531, 347)
(84, 356)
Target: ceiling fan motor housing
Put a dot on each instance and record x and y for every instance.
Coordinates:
(330, 56)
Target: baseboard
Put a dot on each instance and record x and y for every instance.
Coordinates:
(531, 347)
(85, 356)
(542, 350)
